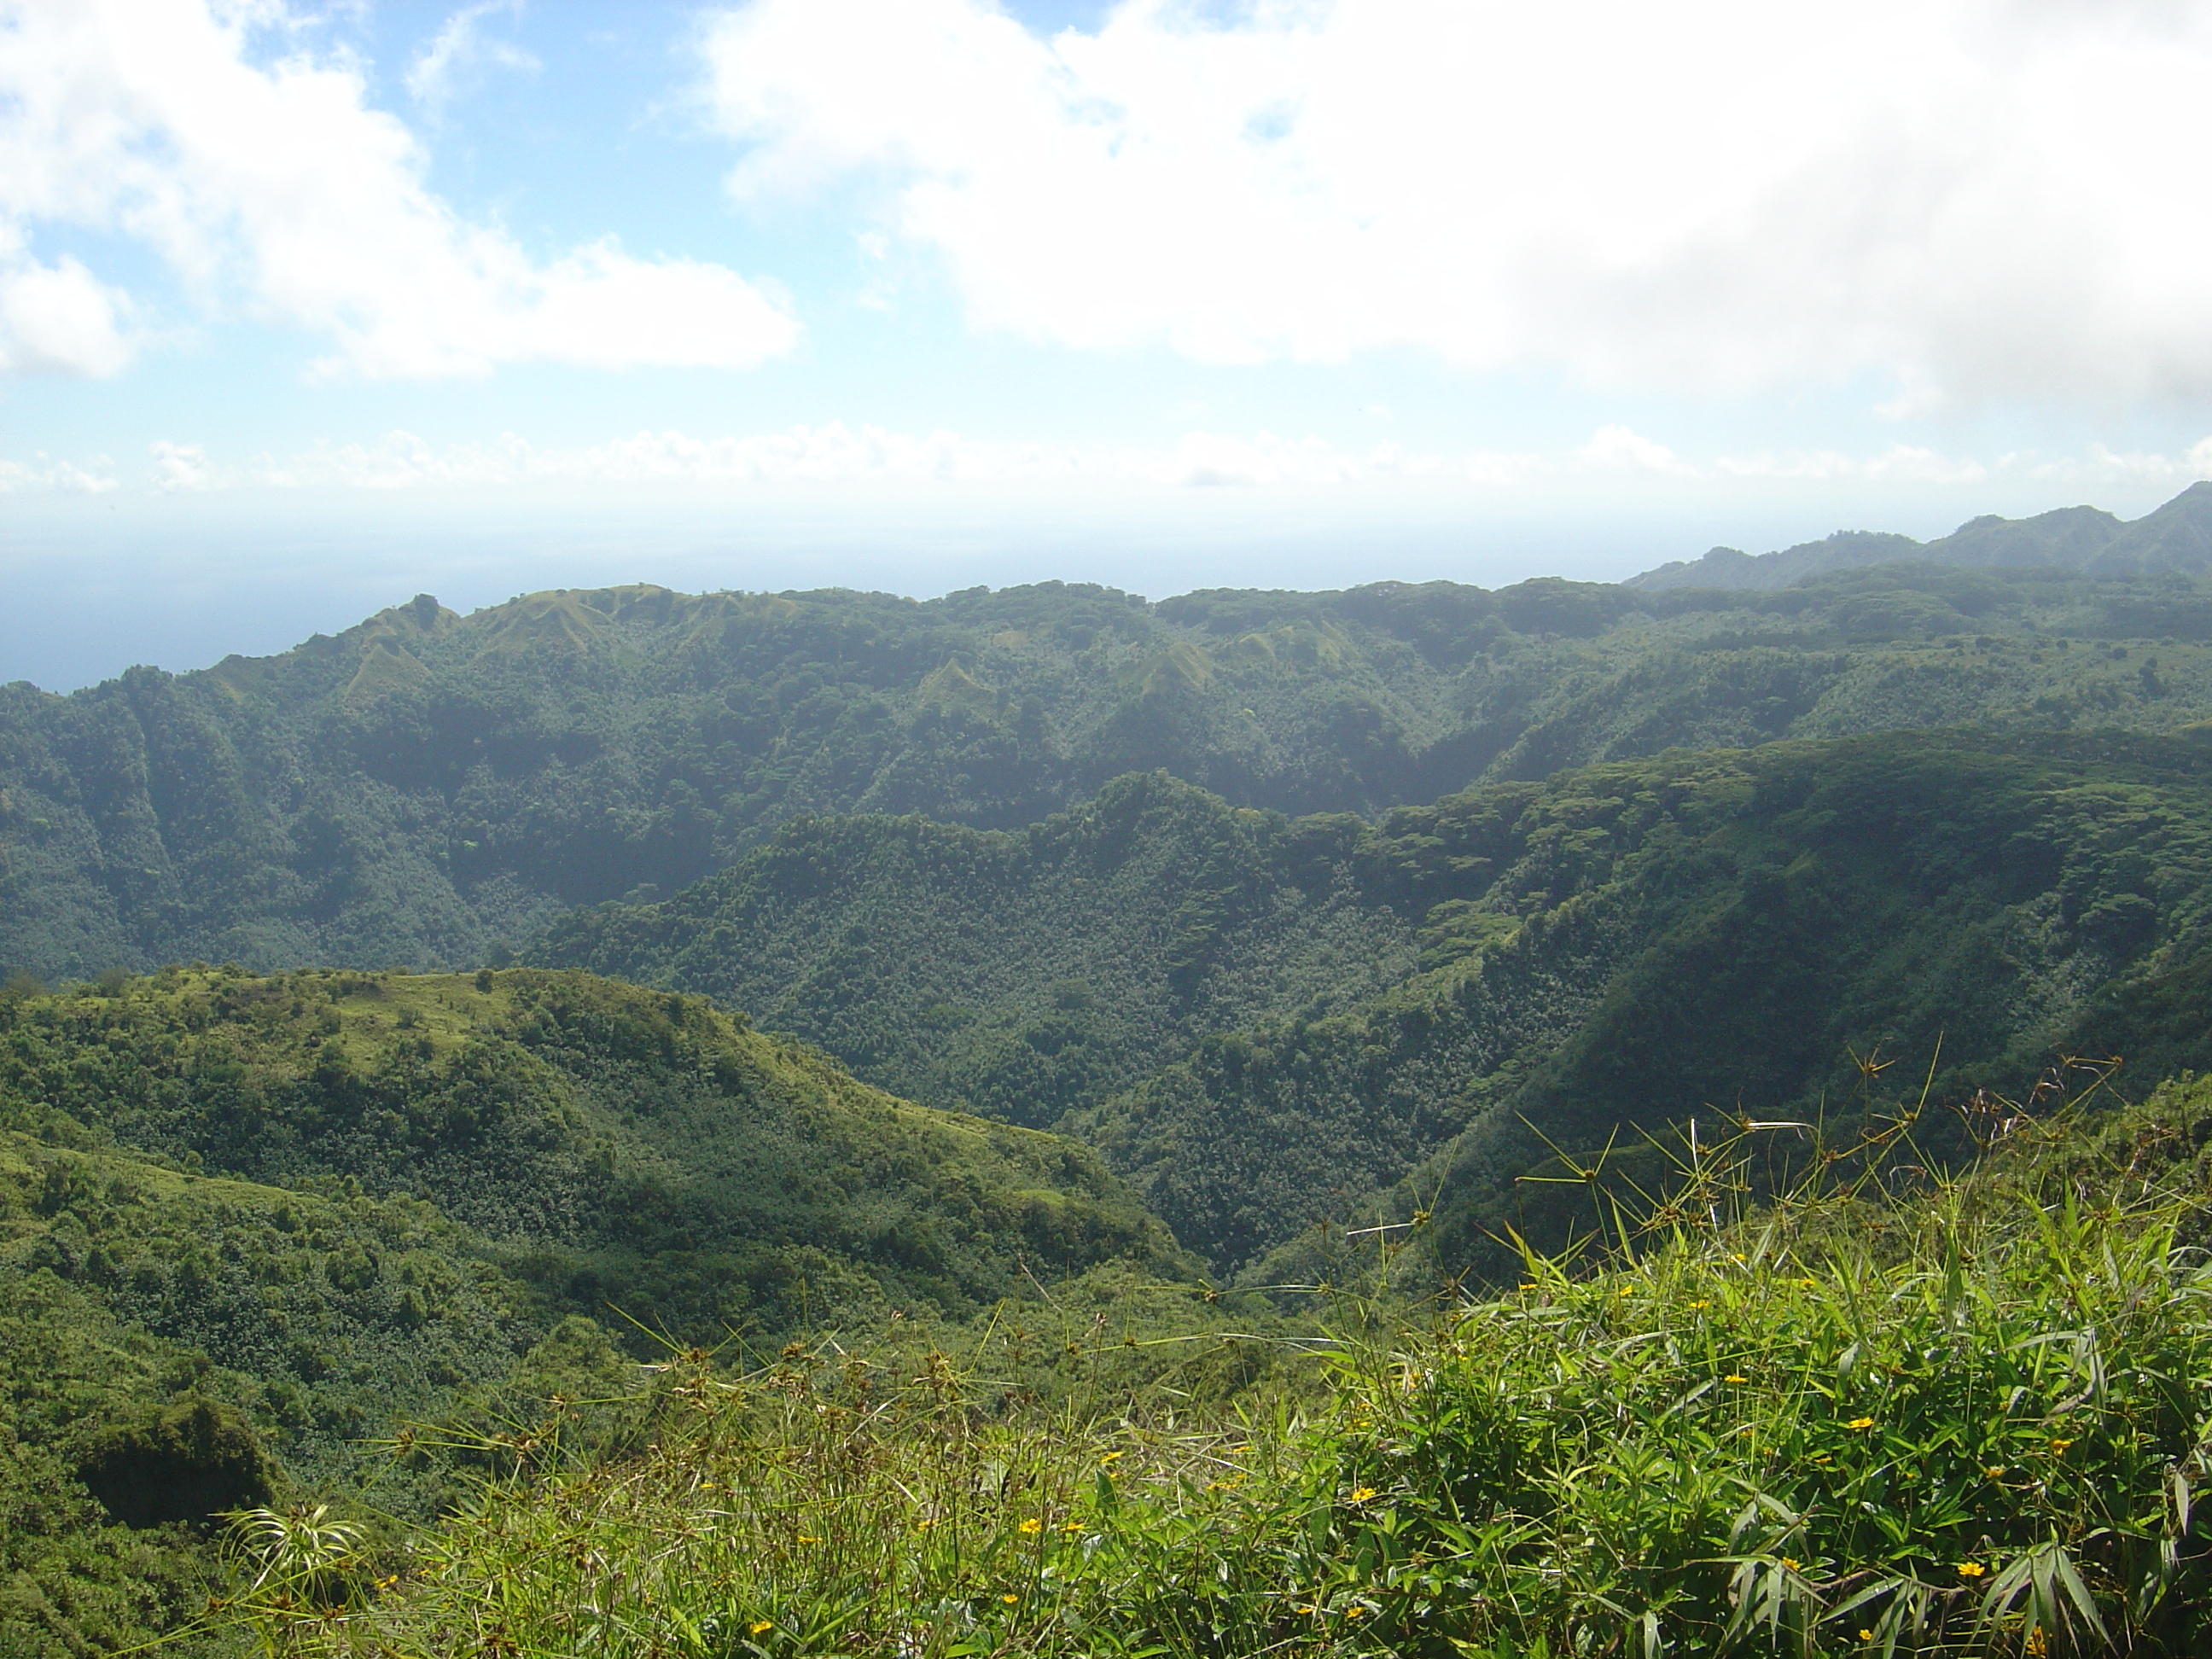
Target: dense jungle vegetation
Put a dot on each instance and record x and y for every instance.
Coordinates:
(1045, 1123)
(1262, 1021)
(426, 789)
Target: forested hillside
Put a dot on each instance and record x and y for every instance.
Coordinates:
(428, 789)
(1263, 1020)
(251, 1228)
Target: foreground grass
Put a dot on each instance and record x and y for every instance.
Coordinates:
(1885, 1413)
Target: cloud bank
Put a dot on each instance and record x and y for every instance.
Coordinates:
(838, 453)
(274, 190)
(1977, 199)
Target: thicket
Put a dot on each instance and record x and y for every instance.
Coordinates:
(1810, 1397)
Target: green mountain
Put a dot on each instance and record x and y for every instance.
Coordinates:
(1264, 1021)
(251, 1226)
(427, 789)
(2175, 538)
(1264, 933)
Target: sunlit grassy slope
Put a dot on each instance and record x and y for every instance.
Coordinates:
(1878, 1411)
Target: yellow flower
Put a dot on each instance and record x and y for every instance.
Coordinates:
(1972, 1570)
(1032, 1525)
(1628, 1290)
(1789, 1562)
(1361, 1494)
(1994, 1470)
(1860, 1423)
(1807, 1284)
(924, 1524)
(757, 1626)
(1305, 1609)
(2058, 1446)
(1732, 1377)
(1109, 1457)
(1010, 1597)
(1073, 1525)
(1355, 1611)
(1866, 1636)
(804, 1539)
(1699, 1307)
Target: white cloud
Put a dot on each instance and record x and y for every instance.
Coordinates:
(1899, 463)
(58, 318)
(275, 190)
(1978, 198)
(836, 453)
(1625, 449)
(181, 466)
(43, 474)
(832, 453)
(459, 46)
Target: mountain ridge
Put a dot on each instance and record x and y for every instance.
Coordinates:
(429, 789)
(2174, 538)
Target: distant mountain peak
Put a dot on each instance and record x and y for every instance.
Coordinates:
(2177, 537)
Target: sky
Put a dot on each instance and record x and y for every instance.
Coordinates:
(305, 309)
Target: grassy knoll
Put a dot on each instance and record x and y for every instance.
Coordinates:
(1884, 1412)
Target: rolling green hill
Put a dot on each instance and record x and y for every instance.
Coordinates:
(251, 1226)
(428, 789)
(1262, 1021)
(610, 1144)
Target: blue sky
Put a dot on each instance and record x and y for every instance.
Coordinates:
(304, 309)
